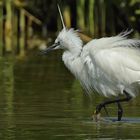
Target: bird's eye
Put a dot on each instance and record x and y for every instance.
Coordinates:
(58, 43)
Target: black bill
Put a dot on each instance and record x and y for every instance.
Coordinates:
(47, 50)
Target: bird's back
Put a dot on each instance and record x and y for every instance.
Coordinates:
(113, 64)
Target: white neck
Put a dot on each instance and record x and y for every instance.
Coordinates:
(71, 60)
(75, 64)
(75, 52)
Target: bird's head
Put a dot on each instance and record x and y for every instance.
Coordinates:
(67, 39)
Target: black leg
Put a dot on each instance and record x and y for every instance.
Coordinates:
(106, 111)
(120, 111)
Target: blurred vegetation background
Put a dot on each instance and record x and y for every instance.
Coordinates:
(39, 98)
(93, 16)
(25, 24)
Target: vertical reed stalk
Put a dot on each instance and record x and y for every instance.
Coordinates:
(67, 16)
(22, 33)
(1, 28)
(8, 26)
(81, 14)
(91, 16)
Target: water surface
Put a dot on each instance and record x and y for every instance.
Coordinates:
(41, 100)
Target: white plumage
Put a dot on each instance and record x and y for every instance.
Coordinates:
(108, 65)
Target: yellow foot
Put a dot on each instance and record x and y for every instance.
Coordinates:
(96, 116)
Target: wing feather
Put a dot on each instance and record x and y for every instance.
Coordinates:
(115, 61)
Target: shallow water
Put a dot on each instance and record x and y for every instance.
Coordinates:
(41, 100)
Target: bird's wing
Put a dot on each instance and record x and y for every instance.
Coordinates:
(111, 42)
(117, 62)
(116, 59)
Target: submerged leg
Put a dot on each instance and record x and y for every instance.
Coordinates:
(120, 111)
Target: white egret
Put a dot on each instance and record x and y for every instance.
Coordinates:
(110, 65)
